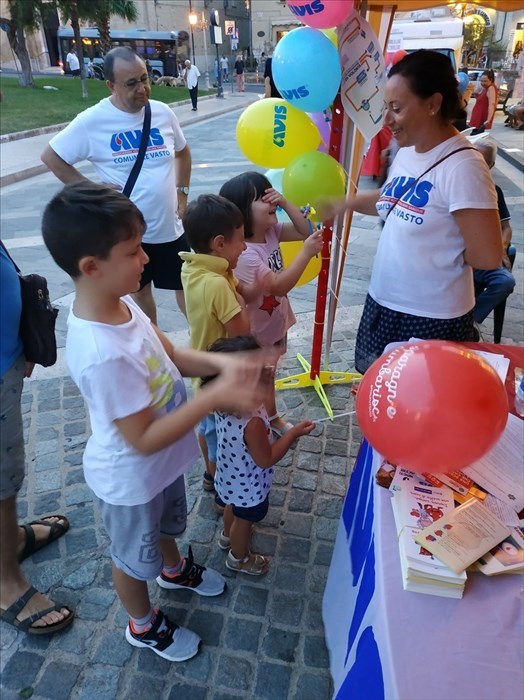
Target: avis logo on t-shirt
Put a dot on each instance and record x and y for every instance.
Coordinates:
(417, 196)
(125, 141)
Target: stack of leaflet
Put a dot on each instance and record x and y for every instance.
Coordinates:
(417, 504)
(505, 558)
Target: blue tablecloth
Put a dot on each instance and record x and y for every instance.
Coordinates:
(389, 644)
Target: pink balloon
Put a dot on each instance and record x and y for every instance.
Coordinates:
(321, 14)
(398, 56)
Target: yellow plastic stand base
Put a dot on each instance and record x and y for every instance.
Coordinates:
(297, 381)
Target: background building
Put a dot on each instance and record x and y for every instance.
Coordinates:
(258, 26)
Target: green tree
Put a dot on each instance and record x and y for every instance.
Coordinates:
(476, 35)
(24, 16)
(99, 12)
(71, 11)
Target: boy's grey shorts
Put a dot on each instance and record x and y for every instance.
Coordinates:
(12, 457)
(134, 531)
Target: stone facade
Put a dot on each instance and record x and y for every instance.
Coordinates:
(260, 24)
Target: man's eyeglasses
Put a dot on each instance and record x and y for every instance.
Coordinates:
(132, 84)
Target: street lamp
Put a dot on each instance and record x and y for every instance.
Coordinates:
(202, 25)
(192, 22)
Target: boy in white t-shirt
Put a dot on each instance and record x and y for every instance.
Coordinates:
(142, 438)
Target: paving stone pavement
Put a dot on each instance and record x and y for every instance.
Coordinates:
(263, 638)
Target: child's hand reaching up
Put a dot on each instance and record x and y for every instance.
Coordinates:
(272, 196)
(313, 244)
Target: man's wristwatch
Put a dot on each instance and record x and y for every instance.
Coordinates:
(183, 190)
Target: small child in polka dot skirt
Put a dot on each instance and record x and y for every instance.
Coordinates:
(246, 455)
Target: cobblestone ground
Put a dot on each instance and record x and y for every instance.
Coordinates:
(263, 638)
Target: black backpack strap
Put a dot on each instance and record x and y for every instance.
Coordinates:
(438, 162)
(133, 175)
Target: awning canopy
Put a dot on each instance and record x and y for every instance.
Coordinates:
(409, 5)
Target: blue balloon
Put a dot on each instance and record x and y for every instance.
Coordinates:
(306, 69)
(275, 178)
(463, 81)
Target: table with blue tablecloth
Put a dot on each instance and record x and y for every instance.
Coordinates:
(389, 644)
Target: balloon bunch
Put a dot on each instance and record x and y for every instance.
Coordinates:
(286, 133)
(319, 13)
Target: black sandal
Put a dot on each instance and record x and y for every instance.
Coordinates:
(56, 530)
(10, 615)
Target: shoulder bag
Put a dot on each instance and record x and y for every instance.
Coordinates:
(133, 175)
(38, 318)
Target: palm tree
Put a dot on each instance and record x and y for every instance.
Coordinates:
(24, 15)
(99, 12)
(75, 23)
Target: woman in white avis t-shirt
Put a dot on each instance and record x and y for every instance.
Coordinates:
(437, 227)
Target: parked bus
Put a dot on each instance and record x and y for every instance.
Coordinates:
(163, 49)
(444, 36)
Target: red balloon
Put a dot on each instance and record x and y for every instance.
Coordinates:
(398, 56)
(432, 406)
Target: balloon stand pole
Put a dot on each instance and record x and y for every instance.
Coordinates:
(313, 375)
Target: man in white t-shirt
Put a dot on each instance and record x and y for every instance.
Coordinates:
(108, 135)
(73, 63)
(191, 76)
(224, 67)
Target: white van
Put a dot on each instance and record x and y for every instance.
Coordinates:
(445, 36)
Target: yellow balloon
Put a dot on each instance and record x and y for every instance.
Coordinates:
(290, 250)
(331, 34)
(271, 133)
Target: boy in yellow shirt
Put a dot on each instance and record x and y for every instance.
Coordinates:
(214, 228)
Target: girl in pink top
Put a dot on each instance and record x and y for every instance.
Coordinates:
(270, 313)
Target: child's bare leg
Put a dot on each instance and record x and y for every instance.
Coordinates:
(211, 467)
(240, 557)
(240, 534)
(132, 593)
(152, 628)
(228, 519)
(170, 552)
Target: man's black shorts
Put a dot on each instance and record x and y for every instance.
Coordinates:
(165, 264)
